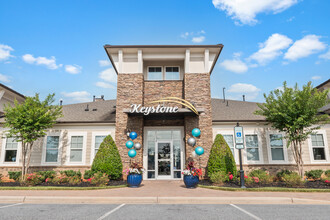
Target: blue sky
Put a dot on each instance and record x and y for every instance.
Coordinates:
(57, 46)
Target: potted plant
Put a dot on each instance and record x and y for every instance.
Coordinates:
(191, 175)
(134, 175)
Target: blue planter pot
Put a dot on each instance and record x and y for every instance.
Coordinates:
(190, 181)
(134, 180)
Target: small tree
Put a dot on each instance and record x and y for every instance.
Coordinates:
(29, 121)
(107, 159)
(221, 158)
(295, 112)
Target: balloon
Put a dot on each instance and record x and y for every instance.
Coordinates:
(133, 135)
(193, 154)
(196, 132)
(192, 141)
(132, 153)
(199, 150)
(129, 144)
(137, 146)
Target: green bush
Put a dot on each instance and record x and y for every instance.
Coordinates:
(99, 179)
(32, 179)
(88, 174)
(107, 159)
(221, 158)
(327, 173)
(262, 175)
(280, 174)
(314, 174)
(219, 177)
(71, 173)
(15, 175)
(292, 180)
(46, 174)
(1, 178)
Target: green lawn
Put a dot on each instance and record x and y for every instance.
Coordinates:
(58, 187)
(265, 189)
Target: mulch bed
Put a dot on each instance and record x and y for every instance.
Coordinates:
(317, 184)
(82, 184)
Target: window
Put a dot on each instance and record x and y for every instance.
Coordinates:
(11, 150)
(252, 147)
(155, 73)
(52, 149)
(76, 149)
(98, 141)
(172, 73)
(230, 141)
(318, 147)
(276, 146)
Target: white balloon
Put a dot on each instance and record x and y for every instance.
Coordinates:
(137, 146)
(194, 154)
(191, 141)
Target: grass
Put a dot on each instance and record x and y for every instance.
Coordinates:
(265, 189)
(58, 187)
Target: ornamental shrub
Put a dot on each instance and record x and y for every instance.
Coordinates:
(260, 176)
(46, 175)
(107, 159)
(221, 158)
(71, 173)
(1, 178)
(327, 173)
(99, 179)
(15, 175)
(314, 174)
(88, 174)
(292, 180)
(219, 177)
(32, 179)
(280, 174)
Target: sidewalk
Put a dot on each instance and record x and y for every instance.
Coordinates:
(164, 192)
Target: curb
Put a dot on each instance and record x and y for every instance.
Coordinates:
(157, 200)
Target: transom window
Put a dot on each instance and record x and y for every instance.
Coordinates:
(276, 146)
(252, 147)
(52, 148)
(230, 141)
(157, 73)
(76, 149)
(318, 147)
(11, 150)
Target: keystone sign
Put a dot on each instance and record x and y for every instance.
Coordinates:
(138, 108)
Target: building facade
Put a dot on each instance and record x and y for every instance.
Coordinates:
(163, 92)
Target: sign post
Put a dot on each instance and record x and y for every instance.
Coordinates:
(239, 144)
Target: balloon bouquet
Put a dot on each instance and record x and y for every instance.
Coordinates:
(130, 144)
(192, 142)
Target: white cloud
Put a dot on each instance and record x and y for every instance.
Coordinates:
(104, 63)
(326, 55)
(185, 35)
(78, 96)
(271, 48)
(198, 39)
(4, 78)
(104, 85)
(245, 11)
(109, 75)
(49, 63)
(237, 90)
(235, 65)
(5, 52)
(316, 77)
(304, 47)
(73, 69)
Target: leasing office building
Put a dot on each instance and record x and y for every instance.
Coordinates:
(163, 92)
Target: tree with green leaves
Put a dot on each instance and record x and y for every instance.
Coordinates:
(295, 112)
(29, 121)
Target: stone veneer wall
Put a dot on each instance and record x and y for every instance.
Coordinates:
(129, 91)
(197, 90)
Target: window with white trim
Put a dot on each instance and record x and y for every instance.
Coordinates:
(252, 147)
(11, 150)
(230, 141)
(98, 140)
(318, 147)
(76, 148)
(276, 147)
(155, 73)
(52, 145)
(172, 73)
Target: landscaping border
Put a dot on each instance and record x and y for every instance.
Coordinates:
(58, 187)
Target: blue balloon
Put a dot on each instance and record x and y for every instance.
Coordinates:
(196, 132)
(133, 135)
(129, 144)
(199, 150)
(132, 153)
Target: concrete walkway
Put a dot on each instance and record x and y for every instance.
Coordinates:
(168, 192)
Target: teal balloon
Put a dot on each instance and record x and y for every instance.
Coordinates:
(133, 135)
(199, 150)
(132, 153)
(129, 144)
(196, 132)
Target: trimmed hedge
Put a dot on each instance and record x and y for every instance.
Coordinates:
(107, 159)
(221, 158)
(15, 175)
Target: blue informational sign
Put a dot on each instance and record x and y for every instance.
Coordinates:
(239, 137)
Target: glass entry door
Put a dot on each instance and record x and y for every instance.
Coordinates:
(164, 152)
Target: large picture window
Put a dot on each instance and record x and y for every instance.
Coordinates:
(172, 73)
(52, 149)
(276, 147)
(252, 147)
(76, 149)
(318, 147)
(11, 150)
(155, 73)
